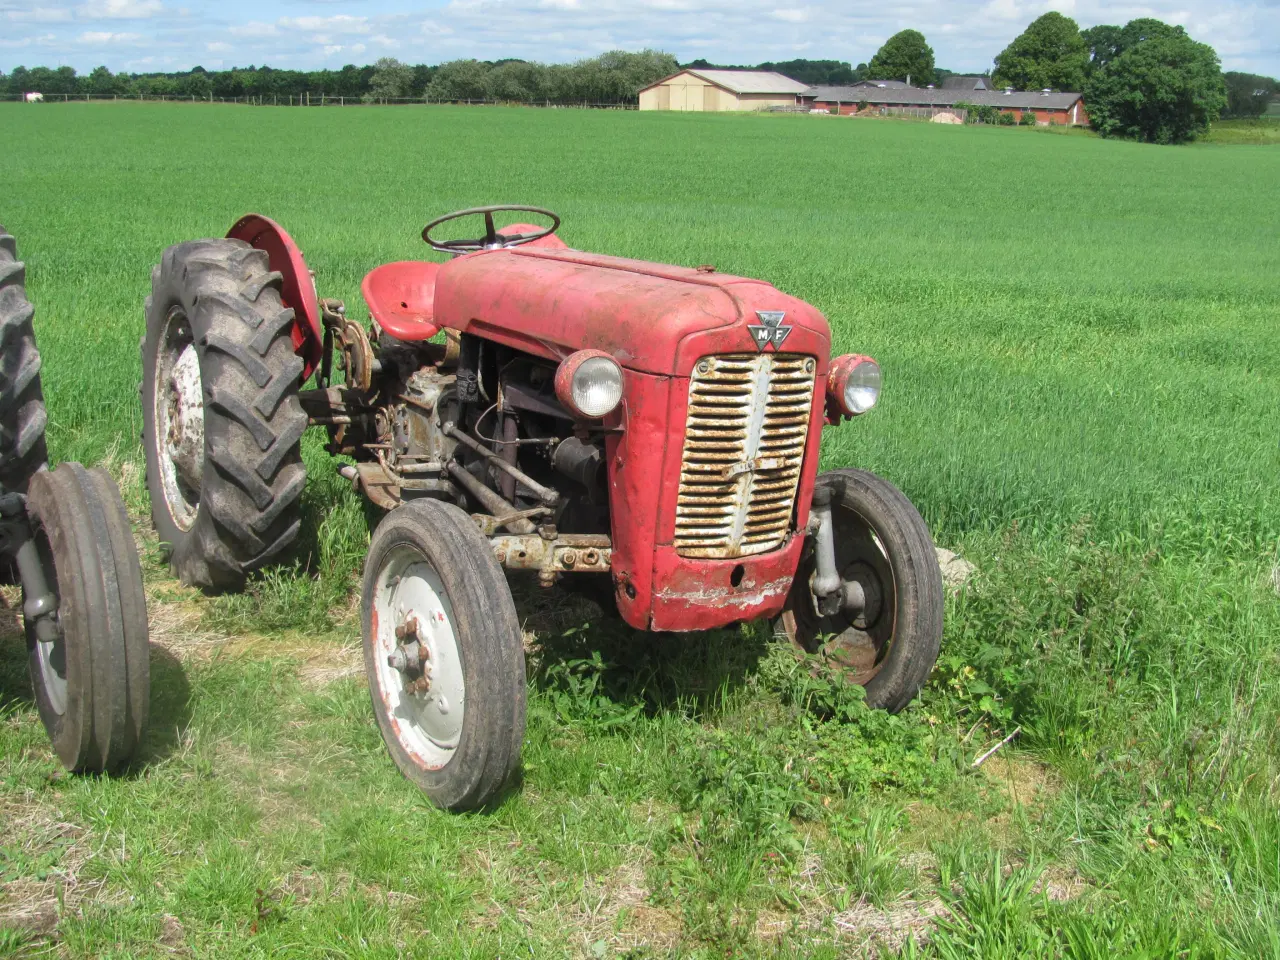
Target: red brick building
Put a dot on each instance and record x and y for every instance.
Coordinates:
(1065, 109)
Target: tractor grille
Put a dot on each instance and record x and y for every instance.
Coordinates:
(743, 448)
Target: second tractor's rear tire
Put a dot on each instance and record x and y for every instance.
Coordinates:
(452, 709)
(222, 425)
(92, 683)
(22, 413)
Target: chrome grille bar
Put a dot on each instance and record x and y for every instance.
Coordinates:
(744, 445)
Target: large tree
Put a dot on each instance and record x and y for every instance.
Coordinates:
(1248, 94)
(1050, 53)
(1158, 85)
(905, 55)
(391, 79)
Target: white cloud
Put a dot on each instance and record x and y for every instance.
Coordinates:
(384, 41)
(341, 23)
(101, 38)
(791, 15)
(255, 28)
(38, 15)
(218, 47)
(119, 9)
(43, 40)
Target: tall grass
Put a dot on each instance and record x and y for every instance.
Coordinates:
(1081, 383)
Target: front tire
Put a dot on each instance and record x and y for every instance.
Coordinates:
(881, 542)
(92, 682)
(222, 424)
(443, 653)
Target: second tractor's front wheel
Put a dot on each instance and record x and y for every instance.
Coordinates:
(443, 654)
(888, 642)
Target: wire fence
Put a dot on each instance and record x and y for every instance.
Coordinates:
(308, 100)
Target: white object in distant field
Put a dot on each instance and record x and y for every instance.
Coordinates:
(946, 118)
(34, 97)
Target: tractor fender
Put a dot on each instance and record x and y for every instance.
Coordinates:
(298, 289)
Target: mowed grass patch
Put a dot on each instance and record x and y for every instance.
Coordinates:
(1081, 383)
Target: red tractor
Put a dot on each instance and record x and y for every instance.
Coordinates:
(530, 407)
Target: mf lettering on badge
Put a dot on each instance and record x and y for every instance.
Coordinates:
(770, 331)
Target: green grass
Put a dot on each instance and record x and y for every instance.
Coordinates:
(1081, 382)
(1263, 131)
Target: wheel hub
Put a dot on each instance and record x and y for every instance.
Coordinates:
(411, 658)
(185, 439)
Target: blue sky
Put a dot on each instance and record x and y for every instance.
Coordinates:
(142, 35)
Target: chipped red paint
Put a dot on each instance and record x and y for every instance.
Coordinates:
(647, 316)
(298, 289)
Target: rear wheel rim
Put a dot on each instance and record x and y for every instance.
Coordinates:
(419, 674)
(179, 420)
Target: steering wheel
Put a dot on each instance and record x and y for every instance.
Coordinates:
(492, 239)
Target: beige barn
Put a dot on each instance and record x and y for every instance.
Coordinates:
(717, 90)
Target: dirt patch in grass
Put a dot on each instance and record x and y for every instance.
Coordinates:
(51, 854)
(867, 927)
(1024, 782)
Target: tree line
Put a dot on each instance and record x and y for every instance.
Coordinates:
(614, 77)
(1146, 80)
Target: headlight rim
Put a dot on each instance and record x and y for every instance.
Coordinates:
(839, 381)
(569, 369)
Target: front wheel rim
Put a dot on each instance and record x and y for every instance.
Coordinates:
(52, 655)
(417, 659)
(859, 645)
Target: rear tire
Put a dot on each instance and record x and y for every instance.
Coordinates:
(430, 568)
(882, 542)
(222, 424)
(92, 684)
(22, 413)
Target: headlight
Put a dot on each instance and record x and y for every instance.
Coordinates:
(589, 383)
(853, 384)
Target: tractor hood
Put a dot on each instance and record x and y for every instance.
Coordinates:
(652, 318)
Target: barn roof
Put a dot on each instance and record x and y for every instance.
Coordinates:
(967, 83)
(917, 96)
(744, 81)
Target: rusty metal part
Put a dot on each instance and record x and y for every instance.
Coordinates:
(184, 443)
(504, 513)
(377, 486)
(545, 494)
(567, 553)
(745, 436)
(490, 526)
(355, 351)
(344, 411)
(510, 434)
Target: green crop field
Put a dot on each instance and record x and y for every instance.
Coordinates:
(1082, 394)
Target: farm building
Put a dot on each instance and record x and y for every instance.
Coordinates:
(719, 90)
(1066, 109)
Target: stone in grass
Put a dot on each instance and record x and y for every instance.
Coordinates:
(955, 570)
